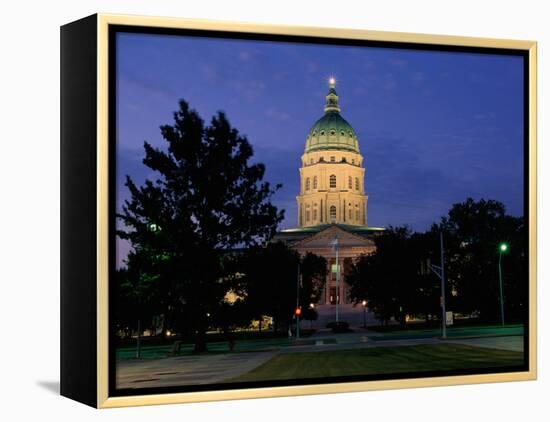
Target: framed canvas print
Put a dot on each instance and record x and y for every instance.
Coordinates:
(258, 211)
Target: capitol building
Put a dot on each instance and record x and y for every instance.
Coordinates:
(332, 208)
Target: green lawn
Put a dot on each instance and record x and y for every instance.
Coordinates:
(380, 360)
(466, 331)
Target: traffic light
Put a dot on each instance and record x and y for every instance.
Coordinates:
(298, 311)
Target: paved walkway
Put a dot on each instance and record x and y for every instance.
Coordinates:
(187, 370)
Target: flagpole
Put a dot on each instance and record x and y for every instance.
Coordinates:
(337, 277)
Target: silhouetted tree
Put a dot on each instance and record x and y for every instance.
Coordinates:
(313, 270)
(383, 278)
(271, 274)
(271, 277)
(207, 198)
(473, 230)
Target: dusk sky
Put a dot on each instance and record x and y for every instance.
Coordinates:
(434, 127)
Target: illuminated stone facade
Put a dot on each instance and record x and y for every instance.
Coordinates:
(332, 204)
(332, 189)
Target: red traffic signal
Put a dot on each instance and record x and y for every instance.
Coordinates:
(298, 311)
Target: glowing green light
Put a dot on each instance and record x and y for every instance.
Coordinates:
(154, 227)
(503, 247)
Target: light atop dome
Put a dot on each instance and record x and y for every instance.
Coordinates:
(332, 81)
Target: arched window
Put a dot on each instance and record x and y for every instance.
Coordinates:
(314, 214)
(307, 183)
(314, 182)
(349, 183)
(333, 214)
(357, 215)
(332, 181)
(307, 215)
(350, 213)
(356, 183)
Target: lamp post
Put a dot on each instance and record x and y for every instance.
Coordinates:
(298, 310)
(364, 303)
(337, 247)
(502, 248)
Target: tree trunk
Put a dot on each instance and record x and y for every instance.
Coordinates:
(138, 343)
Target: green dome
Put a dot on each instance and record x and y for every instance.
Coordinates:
(332, 131)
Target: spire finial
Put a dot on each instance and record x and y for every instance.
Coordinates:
(332, 97)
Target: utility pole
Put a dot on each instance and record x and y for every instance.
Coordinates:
(336, 246)
(440, 272)
(443, 307)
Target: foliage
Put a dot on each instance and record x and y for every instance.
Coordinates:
(271, 277)
(473, 232)
(207, 198)
(396, 280)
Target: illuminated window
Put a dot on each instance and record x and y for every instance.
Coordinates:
(315, 182)
(333, 214)
(332, 181)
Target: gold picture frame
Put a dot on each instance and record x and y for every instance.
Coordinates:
(93, 32)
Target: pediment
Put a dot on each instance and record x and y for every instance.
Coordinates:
(326, 237)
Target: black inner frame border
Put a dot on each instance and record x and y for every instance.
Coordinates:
(113, 30)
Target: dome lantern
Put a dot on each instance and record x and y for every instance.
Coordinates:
(332, 97)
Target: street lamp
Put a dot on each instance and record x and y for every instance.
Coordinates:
(153, 227)
(364, 303)
(502, 248)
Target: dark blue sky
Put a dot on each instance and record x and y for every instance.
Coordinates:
(434, 127)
